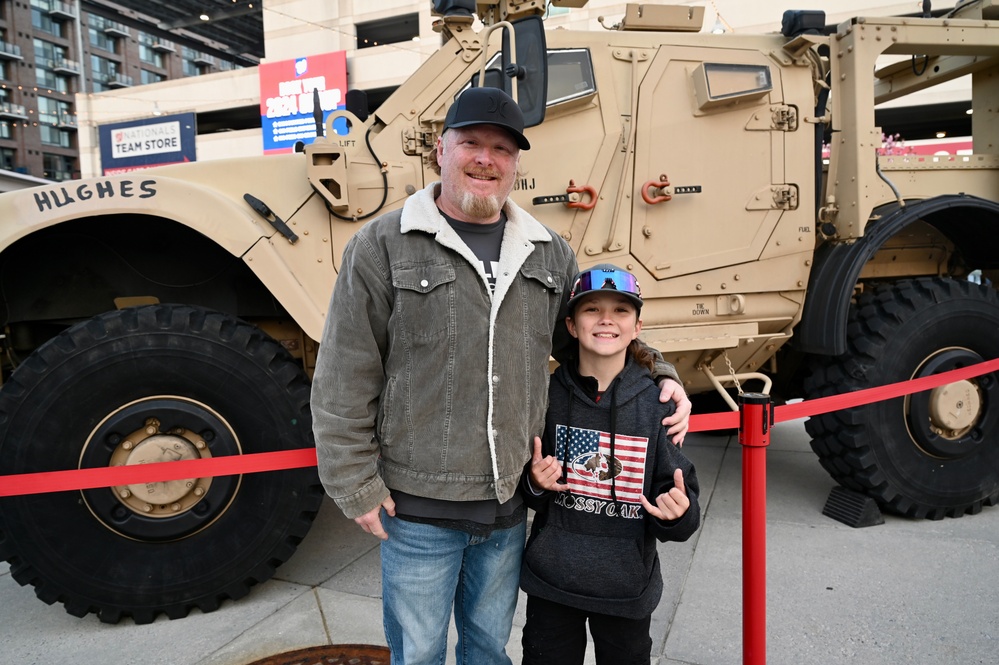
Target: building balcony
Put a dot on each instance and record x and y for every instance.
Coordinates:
(59, 176)
(61, 11)
(164, 46)
(10, 51)
(13, 111)
(65, 66)
(66, 121)
(204, 60)
(116, 29)
(117, 81)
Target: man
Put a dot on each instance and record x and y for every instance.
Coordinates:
(431, 384)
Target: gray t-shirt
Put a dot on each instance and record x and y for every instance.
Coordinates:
(484, 240)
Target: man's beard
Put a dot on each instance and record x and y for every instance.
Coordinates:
(480, 207)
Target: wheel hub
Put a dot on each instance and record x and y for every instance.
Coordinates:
(954, 408)
(947, 422)
(149, 446)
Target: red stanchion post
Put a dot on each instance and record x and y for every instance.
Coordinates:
(756, 418)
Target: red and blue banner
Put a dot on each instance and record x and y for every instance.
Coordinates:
(287, 97)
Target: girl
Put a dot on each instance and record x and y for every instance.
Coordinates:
(606, 482)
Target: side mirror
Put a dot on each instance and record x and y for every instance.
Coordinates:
(527, 70)
(532, 69)
(357, 103)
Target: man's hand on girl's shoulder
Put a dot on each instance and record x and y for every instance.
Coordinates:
(679, 422)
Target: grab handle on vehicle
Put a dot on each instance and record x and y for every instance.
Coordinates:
(264, 211)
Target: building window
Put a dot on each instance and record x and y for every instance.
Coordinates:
(48, 56)
(402, 28)
(6, 130)
(106, 75)
(57, 167)
(47, 53)
(147, 53)
(55, 136)
(42, 22)
(195, 63)
(151, 77)
(98, 26)
(53, 111)
(99, 40)
(8, 159)
(48, 79)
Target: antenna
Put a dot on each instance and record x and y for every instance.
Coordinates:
(317, 112)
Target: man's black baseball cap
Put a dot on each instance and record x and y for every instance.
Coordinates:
(490, 106)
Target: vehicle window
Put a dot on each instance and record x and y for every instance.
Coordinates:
(570, 75)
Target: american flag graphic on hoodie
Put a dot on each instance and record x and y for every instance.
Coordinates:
(590, 466)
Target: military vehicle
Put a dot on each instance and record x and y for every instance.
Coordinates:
(174, 313)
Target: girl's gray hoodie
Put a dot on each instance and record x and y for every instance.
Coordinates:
(593, 547)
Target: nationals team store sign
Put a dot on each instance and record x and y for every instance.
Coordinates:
(143, 144)
(286, 97)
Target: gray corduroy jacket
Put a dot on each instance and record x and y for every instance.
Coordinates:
(425, 382)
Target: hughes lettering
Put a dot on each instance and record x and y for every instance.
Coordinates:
(57, 198)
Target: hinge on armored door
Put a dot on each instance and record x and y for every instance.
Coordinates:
(417, 141)
(786, 197)
(785, 118)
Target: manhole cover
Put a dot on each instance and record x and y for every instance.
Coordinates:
(335, 654)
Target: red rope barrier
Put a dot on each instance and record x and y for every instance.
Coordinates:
(730, 419)
(157, 472)
(80, 479)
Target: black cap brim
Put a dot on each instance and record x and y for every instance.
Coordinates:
(521, 140)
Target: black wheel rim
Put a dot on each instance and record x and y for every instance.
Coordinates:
(160, 428)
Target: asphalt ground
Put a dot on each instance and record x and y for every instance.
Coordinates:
(905, 591)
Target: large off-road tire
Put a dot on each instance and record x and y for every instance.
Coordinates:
(142, 385)
(931, 454)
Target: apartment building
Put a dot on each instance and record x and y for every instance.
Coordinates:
(51, 51)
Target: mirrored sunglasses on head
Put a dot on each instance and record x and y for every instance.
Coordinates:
(596, 279)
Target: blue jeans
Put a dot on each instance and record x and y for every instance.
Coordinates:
(428, 569)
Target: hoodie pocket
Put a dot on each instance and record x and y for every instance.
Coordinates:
(588, 565)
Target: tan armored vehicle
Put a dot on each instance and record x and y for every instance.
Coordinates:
(173, 313)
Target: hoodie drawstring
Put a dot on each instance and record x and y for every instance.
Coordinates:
(613, 429)
(568, 437)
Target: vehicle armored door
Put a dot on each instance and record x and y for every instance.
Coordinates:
(709, 126)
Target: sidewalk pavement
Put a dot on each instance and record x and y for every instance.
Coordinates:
(902, 592)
